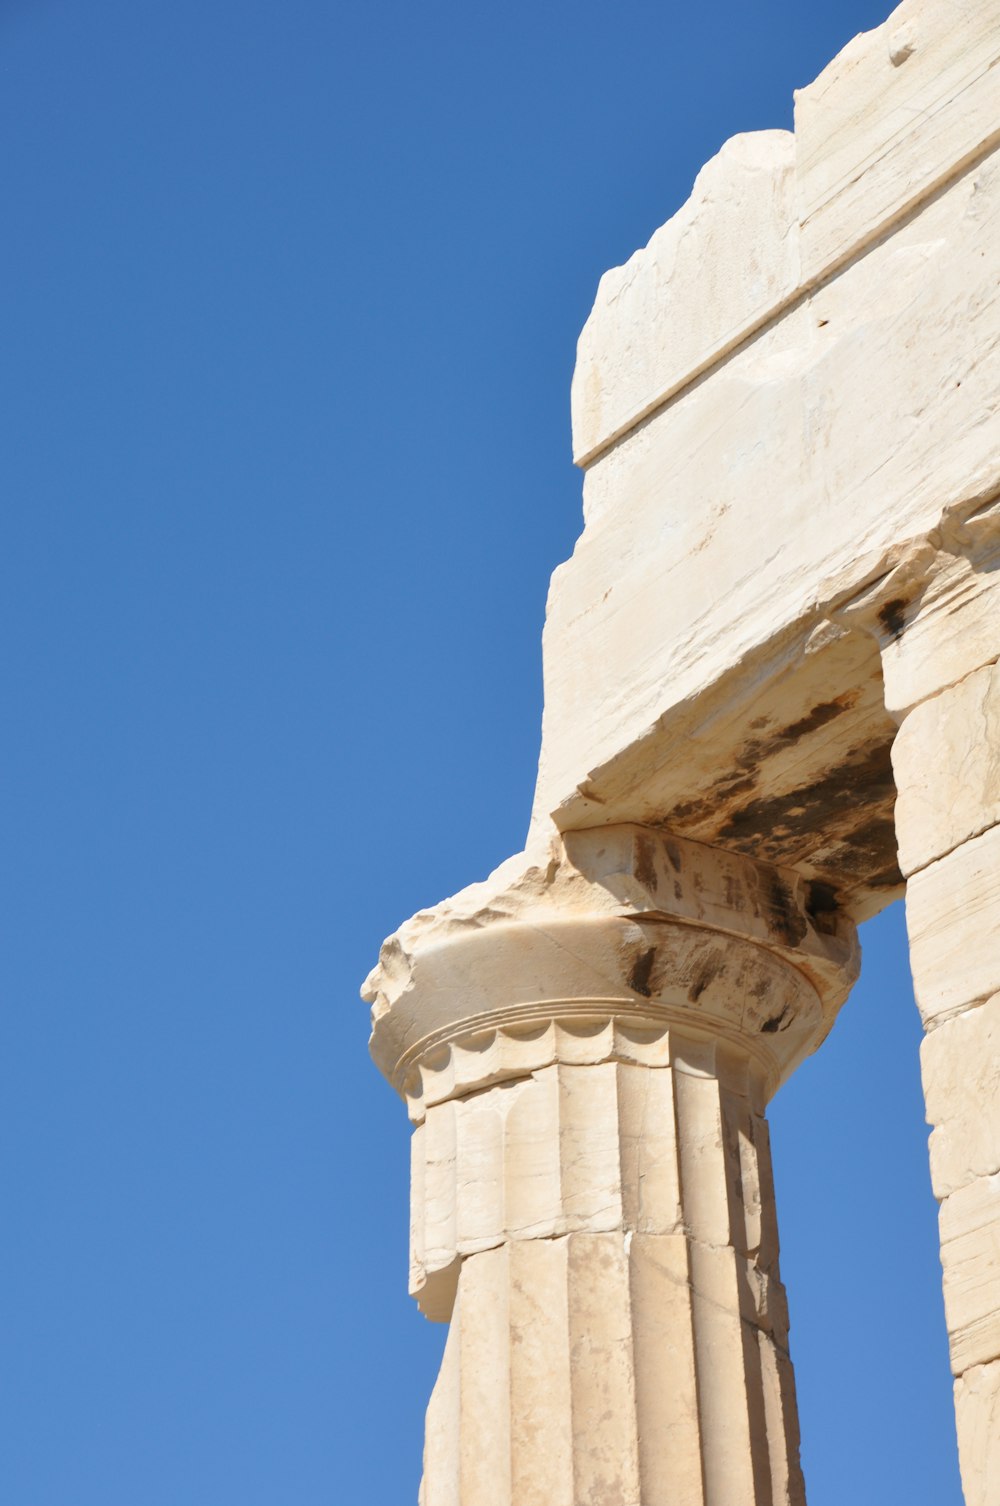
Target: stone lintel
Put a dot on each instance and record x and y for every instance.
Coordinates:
(899, 113)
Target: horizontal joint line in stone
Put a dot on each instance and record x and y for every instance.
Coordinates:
(832, 269)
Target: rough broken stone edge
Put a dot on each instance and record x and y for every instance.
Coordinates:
(716, 355)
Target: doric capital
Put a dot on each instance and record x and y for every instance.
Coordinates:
(619, 941)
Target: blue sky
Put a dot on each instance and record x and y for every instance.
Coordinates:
(292, 295)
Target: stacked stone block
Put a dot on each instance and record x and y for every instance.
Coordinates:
(943, 683)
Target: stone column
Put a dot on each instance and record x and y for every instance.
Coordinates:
(586, 1047)
(937, 616)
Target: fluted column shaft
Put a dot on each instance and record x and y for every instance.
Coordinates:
(620, 1331)
(586, 1053)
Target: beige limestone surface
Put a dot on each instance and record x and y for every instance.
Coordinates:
(977, 1408)
(736, 239)
(960, 1063)
(892, 118)
(953, 917)
(950, 748)
(941, 609)
(970, 1256)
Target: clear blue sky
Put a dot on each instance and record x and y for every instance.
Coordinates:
(291, 298)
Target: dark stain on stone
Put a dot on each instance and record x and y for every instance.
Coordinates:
(638, 978)
(780, 909)
(678, 889)
(893, 616)
(645, 862)
(840, 821)
(825, 712)
(779, 1022)
(722, 789)
(674, 854)
(878, 839)
(707, 969)
(821, 907)
(863, 778)
(754, 752)
(868, 852)
(737, 784)
(758, 748)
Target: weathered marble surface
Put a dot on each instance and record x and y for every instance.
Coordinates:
(960, 1062)
(953, 916)
(890, 120)
(950, 749)
(977, 1409)
(736, 242)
